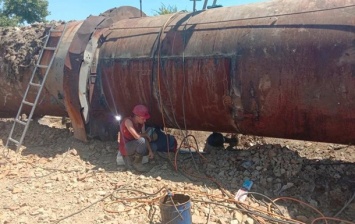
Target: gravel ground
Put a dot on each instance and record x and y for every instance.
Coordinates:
(58, 179)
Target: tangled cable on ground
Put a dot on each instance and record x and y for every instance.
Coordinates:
(270, 214)
(152, 198)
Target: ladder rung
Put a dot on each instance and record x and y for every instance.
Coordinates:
(50, 48)
(28, 103)
(42, 66)
(20, 122)
(13, 140)
(35, 84)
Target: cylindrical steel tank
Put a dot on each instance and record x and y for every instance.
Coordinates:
(282, 69)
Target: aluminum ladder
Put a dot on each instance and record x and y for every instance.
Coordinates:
(37, 86)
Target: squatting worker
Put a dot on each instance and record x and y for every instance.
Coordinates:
(134, 142)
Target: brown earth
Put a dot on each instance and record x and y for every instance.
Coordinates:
(19, 48)
(57, 179)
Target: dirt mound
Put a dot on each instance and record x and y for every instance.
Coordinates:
(19, 48)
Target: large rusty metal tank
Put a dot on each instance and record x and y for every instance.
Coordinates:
(280, 69)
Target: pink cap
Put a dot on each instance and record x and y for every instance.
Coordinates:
(142, 111)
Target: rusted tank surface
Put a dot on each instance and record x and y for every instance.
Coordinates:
(60, 96)
(54, 83)
(75, 60)
(281, 69)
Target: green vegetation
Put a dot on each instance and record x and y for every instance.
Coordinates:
(165, 10)
(17, 12)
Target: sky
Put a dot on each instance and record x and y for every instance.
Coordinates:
(80, 9)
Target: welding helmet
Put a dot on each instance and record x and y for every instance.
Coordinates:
(141, 111)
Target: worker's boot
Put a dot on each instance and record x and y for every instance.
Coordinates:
(128, 162)
(137, 164)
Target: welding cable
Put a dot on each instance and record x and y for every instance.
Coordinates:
(151, 201)
(191, 176)
(159, 58)
(53, 170)
(151, 213)
(272, 201)
(81, 210)
(231, 197)
(176, 153)
(197, 148)
(213, 180)
(260, 194)
(158, 70)
(240, 205)
(137, 199)
(178, 149)
(101, 199)
(346, 205)
(204, 159)
(171, 104)
(142, 203)
(138, 191)
(301, 202)
(184, 73)
(248, 209)
(331, 218)
(219, 185)
(157, 48)
(198, 152)
(204, 177)
(188, 175)
(250, 212)
(193, 159)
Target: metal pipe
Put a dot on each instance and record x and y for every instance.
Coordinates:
(194, 5)
(259, 69)
(204, 5)
(140, 6)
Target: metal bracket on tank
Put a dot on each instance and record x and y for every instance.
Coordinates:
(85, 71)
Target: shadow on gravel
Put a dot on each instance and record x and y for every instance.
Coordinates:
(325, 179)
